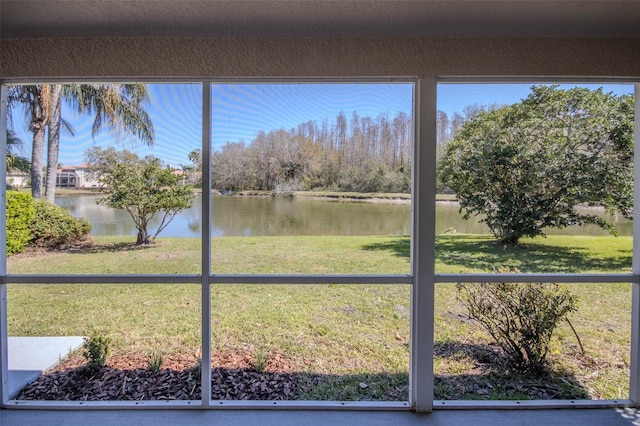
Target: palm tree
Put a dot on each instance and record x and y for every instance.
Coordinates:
(53, 142)
(14, 161)
(117, 107)
(37, 101)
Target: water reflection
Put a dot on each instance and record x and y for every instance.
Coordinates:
(265, 216)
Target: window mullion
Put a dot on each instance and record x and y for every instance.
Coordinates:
(423, 247)
(634, 368)
(206, 246)
(4, 338)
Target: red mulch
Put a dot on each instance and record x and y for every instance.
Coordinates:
(129, 378)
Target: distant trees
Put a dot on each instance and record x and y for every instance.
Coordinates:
(361, 154)
(195, 157)
(527, 166)
(143, 187)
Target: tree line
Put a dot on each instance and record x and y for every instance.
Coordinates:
(361, 154)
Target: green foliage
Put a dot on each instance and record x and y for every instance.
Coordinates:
(20, 214)
(53, 226)
(520, 317)
(527, 166)
(195, 372)
(142, 187)
(260, 360)
(14, 161)
(96, 350)
(155, 360)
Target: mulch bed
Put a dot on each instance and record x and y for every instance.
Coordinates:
(127, 378)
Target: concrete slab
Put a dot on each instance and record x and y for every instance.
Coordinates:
(31, 356)
(559, 417)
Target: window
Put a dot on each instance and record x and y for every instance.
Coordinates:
(310, 220)
(531, 160)
(314, 261)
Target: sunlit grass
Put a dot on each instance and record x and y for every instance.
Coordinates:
(331, 255)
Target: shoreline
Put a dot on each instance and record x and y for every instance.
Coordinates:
(370, 197)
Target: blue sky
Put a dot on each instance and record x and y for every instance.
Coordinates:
(239, 111)
(454, 97)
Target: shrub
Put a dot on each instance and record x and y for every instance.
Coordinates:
(260, 360)
(20, 214)
(96, 351)
(53, 226)
(520, 317)
(155, 361)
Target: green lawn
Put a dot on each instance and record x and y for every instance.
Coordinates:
(350, 334)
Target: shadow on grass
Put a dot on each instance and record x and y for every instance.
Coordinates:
(92, 247)
(400, 247)
(483, 254)
(491, 378)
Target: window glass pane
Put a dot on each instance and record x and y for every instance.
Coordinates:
(151, 332)
(536, 178)
(306, 342)
(128, 164)
(311, 178)
(587, 357)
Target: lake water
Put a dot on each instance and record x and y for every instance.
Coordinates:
(265, 216)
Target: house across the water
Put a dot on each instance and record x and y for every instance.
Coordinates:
(76, 177)
(67, 177)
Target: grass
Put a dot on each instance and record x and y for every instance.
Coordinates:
(354, 336)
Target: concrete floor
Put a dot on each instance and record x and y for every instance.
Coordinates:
(559, 417)
(31, 356)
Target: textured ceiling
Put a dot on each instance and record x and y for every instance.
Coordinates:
(345, 18)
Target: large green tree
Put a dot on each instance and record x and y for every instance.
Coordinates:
(143, 187)
(528, 166)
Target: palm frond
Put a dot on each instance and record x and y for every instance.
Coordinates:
(66, 127)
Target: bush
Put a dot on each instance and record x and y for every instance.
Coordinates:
(53, 226)
(96, 351)
(155, 361)
(520, 317)
(20, 214)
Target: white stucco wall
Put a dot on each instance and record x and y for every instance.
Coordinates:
(220, 58)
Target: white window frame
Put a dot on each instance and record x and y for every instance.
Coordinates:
(422, 276)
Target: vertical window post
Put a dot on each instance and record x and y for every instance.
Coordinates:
(423, 246)
(634, 368)
(4, 338)
(205, 382)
